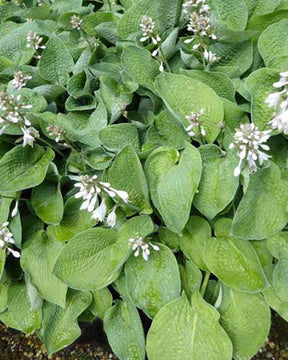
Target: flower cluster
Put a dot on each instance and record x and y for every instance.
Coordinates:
(6, 238)
(90, 189)
(20, 80)
(138, 243)
(279, 101)
(249, 143)
(34, 40)
(199, 19)
(12, 111)
(76, 22)
(200, 25)
(147, 26)
(195, 122)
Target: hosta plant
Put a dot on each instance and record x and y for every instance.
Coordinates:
(143, 173)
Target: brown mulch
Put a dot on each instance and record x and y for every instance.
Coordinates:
(17, 346)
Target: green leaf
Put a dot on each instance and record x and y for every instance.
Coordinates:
(246, 319)
(273, 46)
(187, 331)
(124, 330)
(182, 95)
(102, 301)
(47, 200)
(268, 196)
(217, 187)
(20, 308)
(116, 137)
(153, 283)
(234, 261)
(233, 14)
(173, 179)
(234, 59)
(56, 62)
(37, 260)
(168, 131)
(74, 220)
(126, 173)
(260, 85)
(195, 236)
(191, 277)
(219, 82)
(81, 103)
(92, 259)
(115, 95)
(24, 167)
(60, 326)
(139, 64)
(4, 286)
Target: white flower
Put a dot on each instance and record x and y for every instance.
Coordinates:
(283, 80)
(138, 243)
(279, 101)
(209, 56)
(15, 209)
(6, 238)
(90, 188)
(29, 135)
(100, 212)
(111, 219)
(195, 122)
(76, 22)
(19, 81)
(33, 40)
(249, 142)
(273, 99)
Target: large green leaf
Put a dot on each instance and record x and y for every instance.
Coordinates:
(74, 220)
(260, 85)
(60, 326)
(173, 178)
(234, 261)
(126, 173)
(93, 259)
(246, 319)
(24, 167)
(183, 94)
(139, 64)
(219, 82)
(187, 331)
(116, 137)
(267, 194)
(124, 330)
(196, 235)
(233, 14)
(47, 200)
(273, 46)
(217, 187)
(20, 308)
(152, 284)
(37, 259)
(56, 62)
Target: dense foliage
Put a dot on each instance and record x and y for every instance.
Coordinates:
(143, 157)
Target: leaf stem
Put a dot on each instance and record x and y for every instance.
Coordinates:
(205, 283)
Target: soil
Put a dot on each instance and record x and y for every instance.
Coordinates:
(17, 346)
